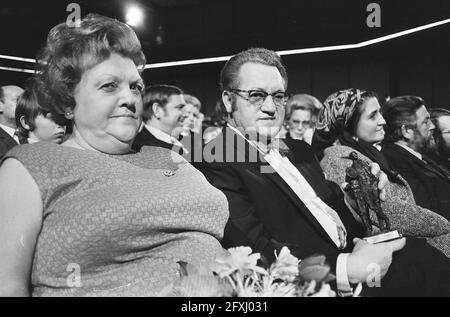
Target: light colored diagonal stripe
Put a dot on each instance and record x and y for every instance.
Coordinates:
(285, 52)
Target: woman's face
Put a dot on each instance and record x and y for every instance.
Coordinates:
(370, 127)
(108, 106)
(191, 114)
(47, 130)
(299, 122)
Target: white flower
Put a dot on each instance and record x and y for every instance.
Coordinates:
(238, 259)
(285, 267)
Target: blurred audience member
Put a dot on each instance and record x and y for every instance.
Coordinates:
(409, 136)
(35, 123)
(163, 117)
(8, 102)
(301, 116)
(441, 120)
(213, 127)
(193, 116)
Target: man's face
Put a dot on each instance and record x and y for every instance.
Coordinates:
(173, 113)
(8, 107)
(265, 119)
(444, 127)
(423, 140)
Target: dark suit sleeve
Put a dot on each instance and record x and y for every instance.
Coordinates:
(244, 228)
(419, 187)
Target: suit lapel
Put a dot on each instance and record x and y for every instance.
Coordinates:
(419, 162)
(262, 168)
(6, 138)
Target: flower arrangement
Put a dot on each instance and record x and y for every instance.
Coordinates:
(236, 273)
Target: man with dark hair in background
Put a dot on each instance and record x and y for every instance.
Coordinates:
(163, 115)
(409, 136)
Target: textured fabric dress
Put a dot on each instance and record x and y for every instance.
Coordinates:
(116, 225)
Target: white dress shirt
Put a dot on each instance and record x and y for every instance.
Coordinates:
(407, 148)
(325, 215)
(162, 136)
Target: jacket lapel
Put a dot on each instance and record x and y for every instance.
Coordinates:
(6, 138)
(262, 168)
(419, 162)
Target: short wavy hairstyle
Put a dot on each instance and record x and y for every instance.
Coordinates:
(303, 102)
(230, 71)
(193, 101)
(71, 51)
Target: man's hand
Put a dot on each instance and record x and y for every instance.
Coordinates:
(365, 255)
(382, 179)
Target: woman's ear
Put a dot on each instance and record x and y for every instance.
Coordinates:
(226, 99)
(24, 124)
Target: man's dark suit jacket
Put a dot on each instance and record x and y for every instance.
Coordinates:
(6, 142)
(192, 142)
(430, 186)
(266, 214)
(145, 137)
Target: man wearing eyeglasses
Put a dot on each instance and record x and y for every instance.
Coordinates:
(282, 198)
(409, 136)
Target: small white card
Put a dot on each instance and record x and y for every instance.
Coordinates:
(384, 237)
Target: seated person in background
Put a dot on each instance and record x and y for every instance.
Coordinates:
(441, 121)
(213, 127)
(280, 197)
(34, 123)
(409, 136)
(8, 103)
(91, 217)
(192, 116)
(190, 134)
(353, 117)
(301, 115)
(163, 117)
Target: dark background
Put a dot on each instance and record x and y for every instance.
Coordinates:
(184, 29)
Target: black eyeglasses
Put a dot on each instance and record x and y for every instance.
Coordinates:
(257, 97)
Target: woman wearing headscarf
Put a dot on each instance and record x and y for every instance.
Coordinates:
(351, 122)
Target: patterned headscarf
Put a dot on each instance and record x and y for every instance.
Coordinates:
(338, 109)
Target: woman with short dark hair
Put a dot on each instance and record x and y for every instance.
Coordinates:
(34, 123)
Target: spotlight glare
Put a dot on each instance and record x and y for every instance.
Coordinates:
(134, 16)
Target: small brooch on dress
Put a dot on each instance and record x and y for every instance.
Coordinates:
(168, 173)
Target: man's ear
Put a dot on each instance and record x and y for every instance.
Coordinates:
(157, 110)
(24, 124)
(1, 106)
(407, 133)
(226, 99)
